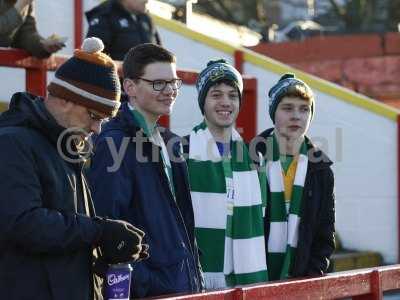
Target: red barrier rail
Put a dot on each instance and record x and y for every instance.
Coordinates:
(363, 284)
(36, 82)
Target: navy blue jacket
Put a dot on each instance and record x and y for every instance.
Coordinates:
(138, 192)
(119, 29)
(45, 237)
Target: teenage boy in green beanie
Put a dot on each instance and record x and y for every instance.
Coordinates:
(226, 193)
(300, 212)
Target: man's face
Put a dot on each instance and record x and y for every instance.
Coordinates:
(292, 117)
(135, 5)
(88, 120)
(145, 98)
(221, 106)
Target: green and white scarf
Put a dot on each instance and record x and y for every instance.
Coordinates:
(155, 137)
(284, 225)
(228, 207)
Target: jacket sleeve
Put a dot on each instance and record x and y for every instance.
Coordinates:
(324, 241)
(9, 21)
(100, 27)
(24, 221)
(28, 37)
(109, 178)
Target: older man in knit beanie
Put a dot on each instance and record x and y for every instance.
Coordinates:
(226, 194)
(300, 213)
(48, 228)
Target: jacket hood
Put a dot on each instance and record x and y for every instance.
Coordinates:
(27, 110)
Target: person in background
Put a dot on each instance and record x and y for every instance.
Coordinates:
(225, 188)
(48, 229)
(300, 215)
(138, 174)
(18, 29)
(122, 24)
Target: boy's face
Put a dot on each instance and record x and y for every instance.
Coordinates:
(292, 117)
(221, 106)
(150, 102)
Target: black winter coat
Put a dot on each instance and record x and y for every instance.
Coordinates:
(119, 29)
(45, 236)
(316, 232)
(138, 191)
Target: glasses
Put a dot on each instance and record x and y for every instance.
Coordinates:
(160, 84)
(96, 117)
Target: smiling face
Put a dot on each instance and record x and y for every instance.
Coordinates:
(221, 106)
(292, 117)
(153, 104)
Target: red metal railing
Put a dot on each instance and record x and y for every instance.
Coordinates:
(36, 82)
(364, 284)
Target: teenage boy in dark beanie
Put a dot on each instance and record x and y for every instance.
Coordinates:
(48, 228)
(300, 211)
(226, 193)
(139, 175)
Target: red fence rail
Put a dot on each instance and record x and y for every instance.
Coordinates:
(36, 82)
(363, 284)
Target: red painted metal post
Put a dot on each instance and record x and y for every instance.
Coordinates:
(239, 60)
(188, 77)
(376, 288)
(164, 121)
(398, 188)
(36, 81)
(78, 23)
(246, 123)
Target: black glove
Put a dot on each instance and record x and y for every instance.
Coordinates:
(120, 241)
(100, 266)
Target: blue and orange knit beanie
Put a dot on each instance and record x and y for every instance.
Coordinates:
(89, 78)
(278, 91)
(215, 72)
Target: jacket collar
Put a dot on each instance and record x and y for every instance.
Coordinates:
(129, 123)
(316, 157)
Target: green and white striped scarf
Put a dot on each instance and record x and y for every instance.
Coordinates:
(284, 225)
(228, 208)
(155, 137)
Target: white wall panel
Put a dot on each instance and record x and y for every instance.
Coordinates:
(363, 147)
(191, 54)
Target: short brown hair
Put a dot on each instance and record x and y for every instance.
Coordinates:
(139, 57)
(300, 91)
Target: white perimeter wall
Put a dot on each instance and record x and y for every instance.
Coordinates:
(362, 145)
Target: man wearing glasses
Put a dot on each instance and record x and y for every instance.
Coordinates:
(48, 229)
(139, 175)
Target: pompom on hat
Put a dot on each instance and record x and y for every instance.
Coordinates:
(89, 78)
(217, 71)
(278, 91)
